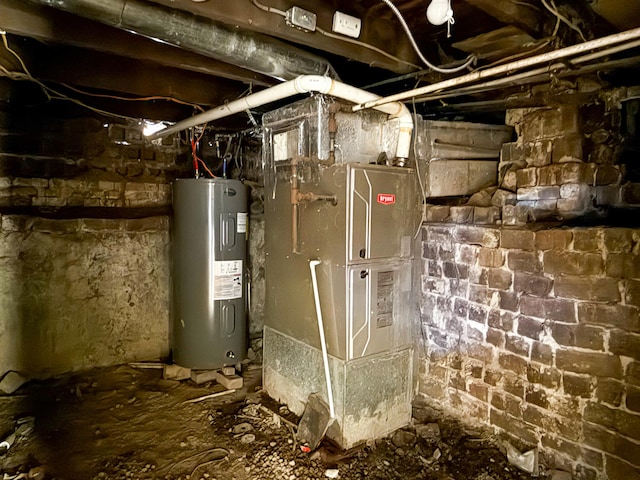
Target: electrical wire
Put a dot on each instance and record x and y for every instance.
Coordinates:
(48, 91)
(366, 45)
(470, 59)
(194, 152)
(324, 32)
(417, 161)
(135, 99)
(552, 8)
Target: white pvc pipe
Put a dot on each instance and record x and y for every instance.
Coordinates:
(507, 68)
(303, 84)
(323, 341)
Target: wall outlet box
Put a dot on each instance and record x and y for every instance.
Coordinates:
(346, 25)
(300, 18)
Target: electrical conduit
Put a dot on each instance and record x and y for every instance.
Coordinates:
(304, 84)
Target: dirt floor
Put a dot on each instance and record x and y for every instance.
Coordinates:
(130, 423)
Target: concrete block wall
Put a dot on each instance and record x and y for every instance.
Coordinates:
(536, 333)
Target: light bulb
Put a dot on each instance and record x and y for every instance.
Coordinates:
(439, 12)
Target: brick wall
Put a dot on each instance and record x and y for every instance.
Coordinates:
(537, 334)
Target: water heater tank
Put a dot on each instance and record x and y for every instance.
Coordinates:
(209, 252)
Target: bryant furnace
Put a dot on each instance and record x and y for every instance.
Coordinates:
(331, 200)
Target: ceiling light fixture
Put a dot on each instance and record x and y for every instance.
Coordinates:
(440, 12)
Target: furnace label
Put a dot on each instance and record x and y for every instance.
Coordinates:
(227, 282)
(384, 317)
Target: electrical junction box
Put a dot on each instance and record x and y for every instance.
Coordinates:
(302, 19)
(346, 25)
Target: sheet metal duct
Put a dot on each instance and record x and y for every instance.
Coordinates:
(253, 51)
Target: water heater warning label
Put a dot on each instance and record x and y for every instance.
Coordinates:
(227, 283)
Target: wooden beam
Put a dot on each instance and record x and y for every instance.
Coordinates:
(54, 26)
(375, 31)
(83, 68)
(529, 19)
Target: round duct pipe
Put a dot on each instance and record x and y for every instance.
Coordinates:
(253, 51)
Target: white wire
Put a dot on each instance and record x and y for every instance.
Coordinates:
(366, 45)
(471, 59)
(562, 18)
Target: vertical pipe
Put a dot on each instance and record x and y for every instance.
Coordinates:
(323, 342)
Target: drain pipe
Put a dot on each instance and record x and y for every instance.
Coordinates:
(213, 39)
(323, 342)
(508, 68)
(305, 84)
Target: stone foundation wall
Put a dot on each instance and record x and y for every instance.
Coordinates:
(537, 334)
(84, 244)
(568, 162)
(82, 293)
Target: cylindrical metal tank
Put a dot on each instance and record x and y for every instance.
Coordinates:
(210, 236)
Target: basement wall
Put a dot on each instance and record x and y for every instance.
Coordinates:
(531, 322)
(84, 244)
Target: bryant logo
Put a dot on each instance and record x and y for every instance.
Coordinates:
(386, 198)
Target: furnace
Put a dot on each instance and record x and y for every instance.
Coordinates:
(336, 207)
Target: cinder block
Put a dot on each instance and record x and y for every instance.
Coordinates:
(229, 381)
(175, 372)
(203, 376)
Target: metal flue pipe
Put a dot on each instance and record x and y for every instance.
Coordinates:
(253, 51)
(303, 84)
(507, 68)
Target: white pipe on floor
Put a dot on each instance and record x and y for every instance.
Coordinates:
(507, 68)
(323, 342)
(303, 84)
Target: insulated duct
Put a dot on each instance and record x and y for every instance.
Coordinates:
(253, 51)
(303, 84)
